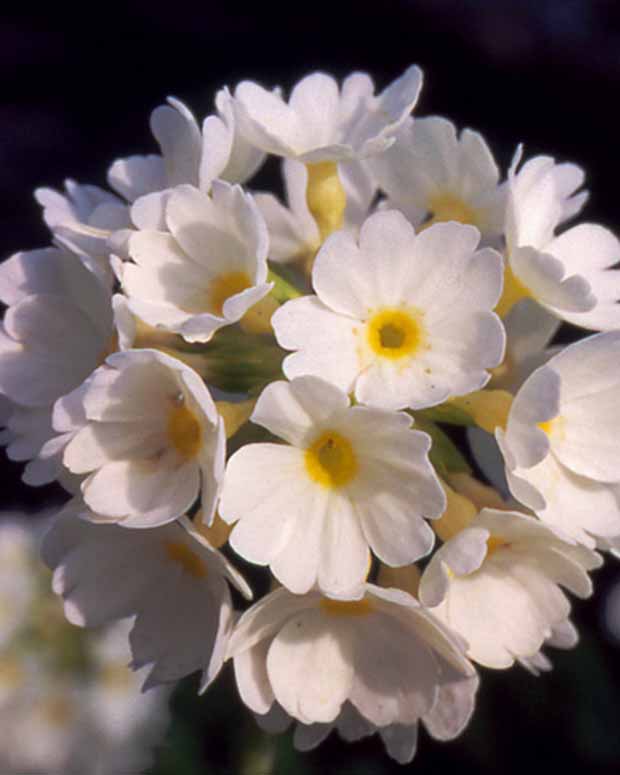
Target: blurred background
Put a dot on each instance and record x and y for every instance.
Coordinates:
(78, 88)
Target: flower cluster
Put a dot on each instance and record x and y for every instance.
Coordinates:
(68, 701)
(212, 372)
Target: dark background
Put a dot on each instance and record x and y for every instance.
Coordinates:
(78, 87)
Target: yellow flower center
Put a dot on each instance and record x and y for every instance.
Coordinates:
(184, 431)
(346, 607)
(395, 333)
(330, 460)
(190, 562)
(223, 287)
(447, 207)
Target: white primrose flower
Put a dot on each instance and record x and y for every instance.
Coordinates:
(433, 175)
(187, 154)
(401, 320)
(561, 440)
(496, 583)
(293, 231)
(450, 715)
(82, 219)
(208, 271)
(178, 136)
(61, 323)
(350, 479)
(569, 274)
(322, 123)
(188, 157)
(529, 329)
(147, 434)
(383, 653)
(169, 578)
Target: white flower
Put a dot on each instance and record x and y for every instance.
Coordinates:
(382, 652)
(293, 231)
(561, 440)
(529, 329)
(320, 122)
(208, 271)
(352, 479)
(187, 155)
(431, 173)
(82, 220)
(169, 578)
(563, 636)
(568, 274)
(61, 323)
(496, 583)
(449, 716)
(151, 439)
(403, 320)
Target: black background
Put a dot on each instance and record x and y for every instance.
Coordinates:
(78, 87)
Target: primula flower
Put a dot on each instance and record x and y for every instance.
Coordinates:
(352, 479)
(496, 583)
(563, 636)
(61, 323)
(82, 220)
(569, 274)
(187, 155)
(208, 271)
(320, 122)
(147, 433)
(529, 330)
(449, 716)
(432, 175)
(561, 441)
(402, 320)
(382, 652)
(169, 578)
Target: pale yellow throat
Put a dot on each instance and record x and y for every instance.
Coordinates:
(448, 207)
(184, 429)
(331, 461)
(223, 287)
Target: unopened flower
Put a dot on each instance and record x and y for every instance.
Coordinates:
(350, 479)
